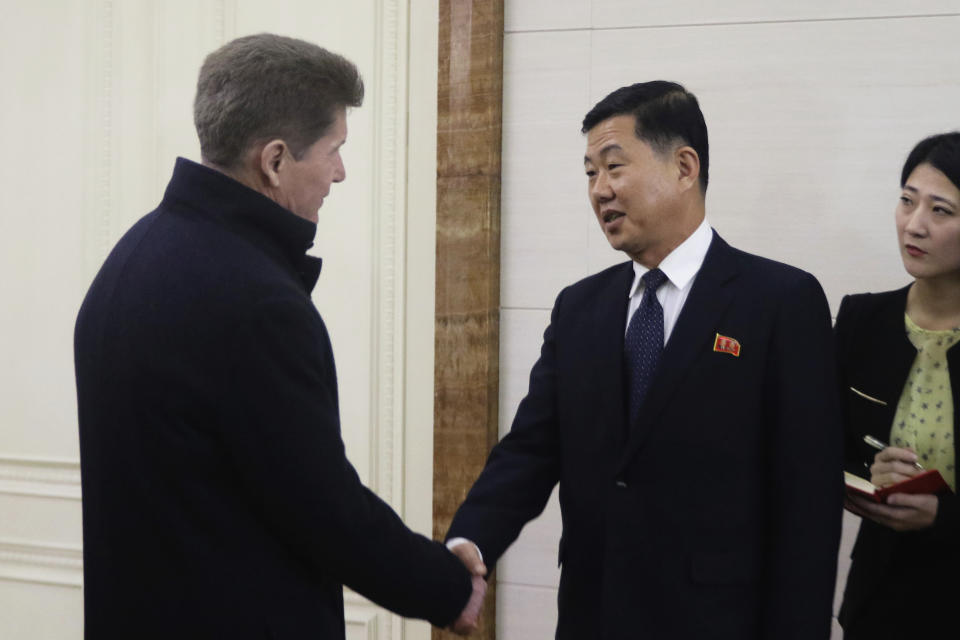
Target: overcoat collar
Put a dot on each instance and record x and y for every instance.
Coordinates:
(219, 196)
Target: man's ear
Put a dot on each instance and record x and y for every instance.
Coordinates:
(688, 165)
(274, 156)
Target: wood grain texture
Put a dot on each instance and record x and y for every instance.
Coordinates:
(469, 107)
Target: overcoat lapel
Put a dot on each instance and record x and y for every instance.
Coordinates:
(897, 355)
(711, 294)
(609, 324)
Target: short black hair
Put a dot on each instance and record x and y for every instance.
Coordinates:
(941, 151)
(666, 115)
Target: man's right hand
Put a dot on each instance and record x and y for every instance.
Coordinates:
(469, 620)
(469, 555)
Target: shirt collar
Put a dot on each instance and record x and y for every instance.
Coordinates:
(681, 264)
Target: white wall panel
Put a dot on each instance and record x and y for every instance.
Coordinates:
(50, 564)
(526, 612)
(40, 477)
(851, 526)
(529, 15)
(532, 559)
(42, 250)
(43, 521)
(40, 503)
(41, 228)
(630, 13)
(549, 15)
(521, 335)
(31, 611)
(183, 33)
(363, 621)
(544, 229)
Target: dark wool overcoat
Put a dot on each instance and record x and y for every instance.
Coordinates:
(217, 498)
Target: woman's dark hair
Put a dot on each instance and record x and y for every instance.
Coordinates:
(942, 152)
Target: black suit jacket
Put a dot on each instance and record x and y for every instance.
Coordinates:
(717, 514)
(874, 356)
(217, 499)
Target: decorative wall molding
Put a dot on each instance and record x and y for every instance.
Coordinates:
(389, 227)
(98, 199)
(360, 612)
(43, 477)
(225, 26)
(59, 565)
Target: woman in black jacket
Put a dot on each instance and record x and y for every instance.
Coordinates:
(897, 358)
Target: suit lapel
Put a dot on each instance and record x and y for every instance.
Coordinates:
(608, 326)
(709, 297)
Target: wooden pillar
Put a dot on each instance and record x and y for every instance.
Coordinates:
(470, 88)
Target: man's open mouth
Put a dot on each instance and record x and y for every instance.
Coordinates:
(610, 216)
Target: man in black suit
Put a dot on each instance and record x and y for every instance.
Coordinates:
(685, 403)
(217, 498)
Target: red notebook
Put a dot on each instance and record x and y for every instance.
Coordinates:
(926, 482)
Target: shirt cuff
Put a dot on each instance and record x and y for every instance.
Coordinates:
(456, 542)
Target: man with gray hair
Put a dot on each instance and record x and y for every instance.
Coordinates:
(217, 497)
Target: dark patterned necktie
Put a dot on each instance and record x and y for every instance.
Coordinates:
(644, 341)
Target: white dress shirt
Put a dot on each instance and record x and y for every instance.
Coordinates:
(680, 267)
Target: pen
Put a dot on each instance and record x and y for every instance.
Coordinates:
(881, 445)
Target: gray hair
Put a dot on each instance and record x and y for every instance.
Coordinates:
(265, 86)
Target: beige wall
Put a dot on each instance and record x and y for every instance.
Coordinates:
(97, 104)
(812, 106)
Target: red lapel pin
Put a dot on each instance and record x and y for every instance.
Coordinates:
(723, 344)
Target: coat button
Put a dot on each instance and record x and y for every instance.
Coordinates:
(621, 484)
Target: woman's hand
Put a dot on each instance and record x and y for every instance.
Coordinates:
(902, 512)
(893, 465)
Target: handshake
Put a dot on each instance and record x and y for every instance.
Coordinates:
(469, 555)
